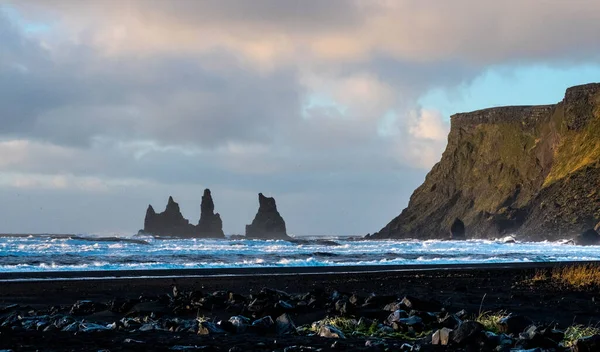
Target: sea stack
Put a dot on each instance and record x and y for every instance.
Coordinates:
(268, 223)
(210, 224)
(171, 222)
(168, 223)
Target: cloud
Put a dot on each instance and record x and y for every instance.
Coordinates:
(313, 101)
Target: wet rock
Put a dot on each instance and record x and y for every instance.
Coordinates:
(263, 325)
(331, 332)
(413, 323)
(268, 223)
(457, 230)
(284, 325)
(209, 328)
(514, 324)
(441, 337)
(343, 307)
(88, 327)
(587, 344)
(86, 307)
(73, 327)
(467, 333)
(450, 321)
(240, 323)
(378, 301)
(396, 316)
(394, 306)
(588, 238)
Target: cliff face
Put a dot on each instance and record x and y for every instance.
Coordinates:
(529, 170)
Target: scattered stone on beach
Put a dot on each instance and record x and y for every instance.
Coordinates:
(441, 337)
(588, 238)
(468, 332)
(330, 332)
(85, 307)
(514, 324)
(587, 344)
(268, 223)
(209, 328)
(284, 325)
(457, 230)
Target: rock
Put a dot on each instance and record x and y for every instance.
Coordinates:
(450, 321)
(268, 223)
(263, 325)
(240, 323)
(441, 337)
(457, 230)
(395, 316)
(331, 332)
(284, 325)
(588, 238)
(514, 324)
(210, 224)
(209, 328)
(168, 223)
(171, 223)
(587, 344)
(468, 332)
(413, 323)
(86, 307)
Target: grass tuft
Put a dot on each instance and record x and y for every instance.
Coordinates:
(577, 276)
(576, 332)
(491, 320)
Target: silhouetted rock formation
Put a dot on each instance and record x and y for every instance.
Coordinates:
(210, 224)
(268, 223)
(172, 223)
(588, 238)
(533, 171)
(457, 231)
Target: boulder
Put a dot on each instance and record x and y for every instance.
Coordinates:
(268, 223)
(467, 333)
(588, 238)
(284, 325)
(210, 224)
(457, 230)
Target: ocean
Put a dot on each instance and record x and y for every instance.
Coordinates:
(81, 253)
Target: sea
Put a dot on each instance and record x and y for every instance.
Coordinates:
(35, 253)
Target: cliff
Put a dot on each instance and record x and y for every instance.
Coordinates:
(533, 171)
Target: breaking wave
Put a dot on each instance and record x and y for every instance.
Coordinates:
(26, 253)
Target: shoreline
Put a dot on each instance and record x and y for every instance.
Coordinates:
(267, 271)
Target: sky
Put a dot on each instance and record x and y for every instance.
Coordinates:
(336, 108)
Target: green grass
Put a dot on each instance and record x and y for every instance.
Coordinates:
(491, 320)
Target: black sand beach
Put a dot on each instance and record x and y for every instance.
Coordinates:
(474, 288)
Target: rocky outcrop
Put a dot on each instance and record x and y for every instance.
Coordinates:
(171, 222)
(533, 171)
(268, 223)
(588, 238)
(210, 224)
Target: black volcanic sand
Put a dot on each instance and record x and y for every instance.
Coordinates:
(485, 288)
